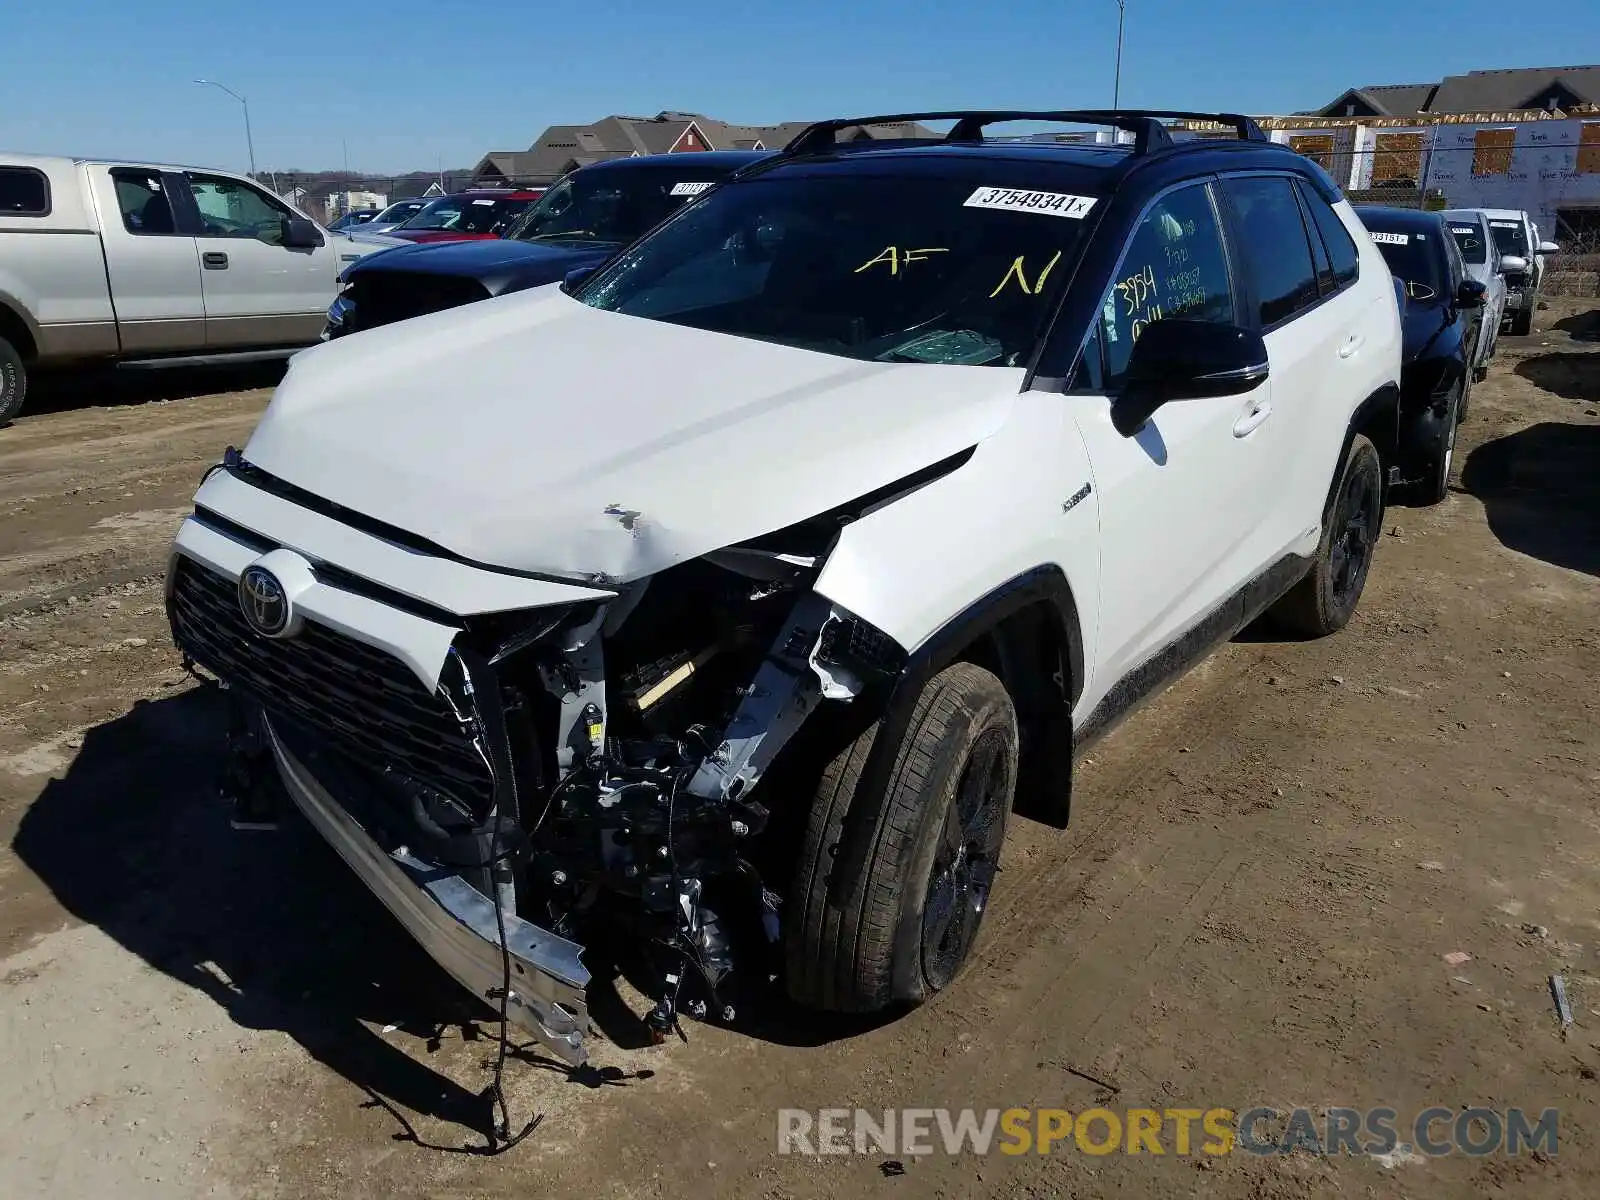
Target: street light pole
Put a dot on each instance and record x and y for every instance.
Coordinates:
(1116, 84)
(248, 139)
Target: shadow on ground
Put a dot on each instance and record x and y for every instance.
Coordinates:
(1540, 489)
(1572, 376)
(275, 928)
(1581, 327)
(133, 841)
(65, 390)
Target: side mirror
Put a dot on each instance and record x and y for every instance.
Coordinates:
(1470, 294)
(1513, 263)
(574, 277)
(1178, 359)
(1549, 248)
(300, 234)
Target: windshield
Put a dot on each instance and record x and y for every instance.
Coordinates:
(870, 267)
(461, 214)
(1412, 256)
(1470, 239)
(400, 211)
(616, 205)
(1510, 238)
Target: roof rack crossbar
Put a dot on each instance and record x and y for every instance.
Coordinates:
(1149, 134)
(1244, 126)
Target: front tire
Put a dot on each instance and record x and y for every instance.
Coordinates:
(908, 926)
(1435, 484)
(1522, 322)
(13, 381)
(1324, 601)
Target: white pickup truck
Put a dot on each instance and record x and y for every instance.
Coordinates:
(138, 263)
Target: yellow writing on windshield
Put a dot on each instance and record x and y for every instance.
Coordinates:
(897, 259)
(1019, 271)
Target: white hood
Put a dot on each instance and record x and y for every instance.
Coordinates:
(535, 433)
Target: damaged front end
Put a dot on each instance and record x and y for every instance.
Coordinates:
(578, 774)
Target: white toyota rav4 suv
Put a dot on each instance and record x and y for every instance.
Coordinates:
(717, 608)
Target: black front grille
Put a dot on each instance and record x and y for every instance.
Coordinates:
(365, 700)
(384, 297)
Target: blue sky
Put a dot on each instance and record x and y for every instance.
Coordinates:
(408, 82)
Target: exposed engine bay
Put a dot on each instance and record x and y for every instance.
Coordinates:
(622, 745)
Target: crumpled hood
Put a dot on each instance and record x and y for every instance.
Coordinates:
(535, 433)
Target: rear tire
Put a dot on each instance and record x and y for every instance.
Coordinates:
(1522, 322)
(907, 927)
(13, 381)
(1324, 601)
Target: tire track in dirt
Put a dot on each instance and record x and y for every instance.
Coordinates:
(85, 511)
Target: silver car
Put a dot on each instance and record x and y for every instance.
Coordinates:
(1470, 228)
(396, 215)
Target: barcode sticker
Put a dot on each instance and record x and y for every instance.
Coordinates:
(1391, 239)
(1050, 204)
(1462, 229)
(689, 189)
(483, 201)
(1506, 224)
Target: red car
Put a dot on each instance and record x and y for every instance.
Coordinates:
(467, 216)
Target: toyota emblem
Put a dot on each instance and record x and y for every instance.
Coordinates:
(263, 601)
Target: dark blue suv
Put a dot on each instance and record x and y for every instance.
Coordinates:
(580, 222)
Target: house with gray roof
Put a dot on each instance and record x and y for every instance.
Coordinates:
(1521, 89)
(561, 149)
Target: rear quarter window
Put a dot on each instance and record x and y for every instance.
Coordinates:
(24, 192)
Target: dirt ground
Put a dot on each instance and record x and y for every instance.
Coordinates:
(1265, 872)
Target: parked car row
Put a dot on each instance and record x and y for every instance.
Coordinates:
(1458, 283)
(720, 605)
(139, 263)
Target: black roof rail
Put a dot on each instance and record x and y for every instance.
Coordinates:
(1149, 134)
(1244, 126)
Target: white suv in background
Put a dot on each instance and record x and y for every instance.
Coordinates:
(737, 592)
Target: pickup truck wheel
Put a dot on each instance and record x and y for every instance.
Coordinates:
(13, 381)
(1325, 600)
(1522, 322)
(908, 926)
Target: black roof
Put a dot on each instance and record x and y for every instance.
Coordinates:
(1084, 167)
(1088, 166)
(1398, 220)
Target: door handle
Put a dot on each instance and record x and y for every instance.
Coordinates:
(1258, 412)
(214, 260)
(1351, 344)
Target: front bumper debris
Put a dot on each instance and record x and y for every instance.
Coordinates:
(455, 923)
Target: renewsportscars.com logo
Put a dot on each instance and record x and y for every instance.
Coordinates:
(1378, 1132)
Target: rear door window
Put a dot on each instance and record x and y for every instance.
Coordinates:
(24, 192)
(1277, 251)
(1336, 240)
